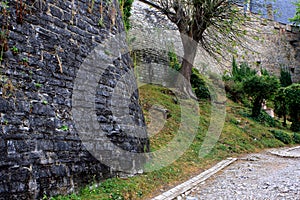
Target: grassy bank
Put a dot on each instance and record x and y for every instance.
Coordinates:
(240, 135)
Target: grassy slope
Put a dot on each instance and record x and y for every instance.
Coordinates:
(240, 135)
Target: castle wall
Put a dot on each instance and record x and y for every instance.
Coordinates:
(44, 45)
(269, 44)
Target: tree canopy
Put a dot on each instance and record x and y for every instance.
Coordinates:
(214, 24)
(260, 88)
(296, 18)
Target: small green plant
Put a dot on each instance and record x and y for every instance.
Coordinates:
(242, 72)
(285, 77)
(38, 85)
(68, 197)
(4, 5)
(234, 81)
(4, 31)
(100, 22)
(45, 102)
(64, 128)
(125, 6)
(173, 61)
(265, 119)
(15, 50)
(292, 94)
(25, 60)
(5, 122)
(296, 138)
(91, 6)
(199, 85)
(45, 197)
(282, 136)
(107, 52)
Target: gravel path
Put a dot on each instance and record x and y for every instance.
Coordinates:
(255, 176)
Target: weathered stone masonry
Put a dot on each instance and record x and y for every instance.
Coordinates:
(272, 46)
(40, 150)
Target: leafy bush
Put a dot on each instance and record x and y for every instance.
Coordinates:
(199, 86)
(242, 72)
(125, 6)
(265, 119)
(244, 85)
(235, 91)
(264, 72)
(296, 138)
(280, 105)
(282, 136)
(197, 80)
(260, 88)
(234, 81)
(292, 94)
(173, 61)
(285, 77)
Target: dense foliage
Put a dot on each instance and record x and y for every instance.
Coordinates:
(199, 85)
(260, 88)
(296, 18)
(234, 81)
(197, 80)
(282, 136)
(292, 94)
(280, 105)
(213, 25)
(287, 102)
(125, 6)
(173, 61)
(285, 77)
(242, 72)
(245, 86)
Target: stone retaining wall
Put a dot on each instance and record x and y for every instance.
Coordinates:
(45, 42)
(272, 45)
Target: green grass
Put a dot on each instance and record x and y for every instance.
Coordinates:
(240, 135)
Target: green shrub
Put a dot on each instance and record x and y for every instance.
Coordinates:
(285, 77)
(199, 85)
(282, 136)
(260, 88)
(234, 81)
(173, 61)
(296, 138)
(234, 91)
(292, 94)
(242, 72)
(264, 72)
(125, 6)
(280, 105)
(266, 119)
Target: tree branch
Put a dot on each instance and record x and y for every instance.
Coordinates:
(161, 9)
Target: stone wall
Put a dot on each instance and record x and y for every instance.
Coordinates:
(272, 45)
(44, 44)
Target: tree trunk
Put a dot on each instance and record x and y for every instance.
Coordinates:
(284, 120)
(295, 126)
(256, 107)
(184, 81)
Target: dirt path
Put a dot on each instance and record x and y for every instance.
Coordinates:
(255, 176)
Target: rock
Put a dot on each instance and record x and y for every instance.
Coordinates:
(191, 198)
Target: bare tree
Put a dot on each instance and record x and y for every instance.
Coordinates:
(213, 24)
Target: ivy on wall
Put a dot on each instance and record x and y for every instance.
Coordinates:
(125, 6)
